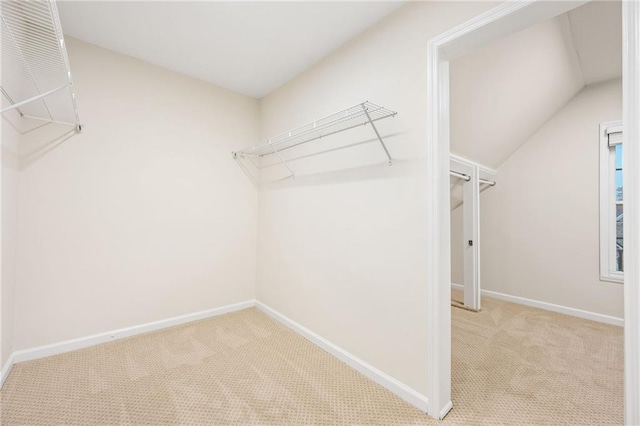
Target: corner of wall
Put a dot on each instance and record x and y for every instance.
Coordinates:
(8, 235)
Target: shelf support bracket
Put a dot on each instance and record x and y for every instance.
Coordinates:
(378, 135)
(275, 151)
(11, 101)
(35, 98)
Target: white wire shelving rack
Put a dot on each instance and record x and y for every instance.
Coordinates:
(36, 77)
(365, 113)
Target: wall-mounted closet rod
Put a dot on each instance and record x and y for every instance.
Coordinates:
(468, 178)
(487, 182)
(460, 175)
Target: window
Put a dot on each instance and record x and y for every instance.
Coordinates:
(611, 203)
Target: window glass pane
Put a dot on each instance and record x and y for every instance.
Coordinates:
(618, 149)
(611, 204)
(619, 240)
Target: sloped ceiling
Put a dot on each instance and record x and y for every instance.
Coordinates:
(503, 93)
(251, 47)
(596, 29)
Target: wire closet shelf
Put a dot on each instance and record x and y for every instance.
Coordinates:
(358, 115)
(36, 76)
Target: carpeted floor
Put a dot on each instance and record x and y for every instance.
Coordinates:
(511, 365)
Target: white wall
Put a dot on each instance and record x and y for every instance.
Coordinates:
(145, 216)
(9, 212)
(540, 223)
(141, 217)
(503, 92)
(497, 102)
(342, 248)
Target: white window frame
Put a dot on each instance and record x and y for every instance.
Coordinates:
(608, 204)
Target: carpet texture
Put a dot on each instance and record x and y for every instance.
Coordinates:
(511, 365)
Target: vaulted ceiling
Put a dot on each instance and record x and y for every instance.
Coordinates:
(504, 92)
(248, 47)
(596, 32)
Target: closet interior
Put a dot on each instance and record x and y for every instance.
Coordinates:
(177, 248)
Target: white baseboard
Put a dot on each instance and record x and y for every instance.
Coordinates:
(445, 410)
(606, 319)
(6, 368)
(96, 339)
(395, 386)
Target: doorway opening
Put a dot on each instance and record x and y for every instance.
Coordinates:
(504, 20)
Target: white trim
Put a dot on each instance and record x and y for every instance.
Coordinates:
(96, 339)
(615, 129)
(6, 369)
(395, 386)
(459, 164)
(631, 176)
(508, 18)
(438, 261)
(471, 232)
(445, 410)
(574, 312)
(607, 240)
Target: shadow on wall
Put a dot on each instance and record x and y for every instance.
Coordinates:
(38, 137)
(361, 173)
(39, 148)
(335, 162)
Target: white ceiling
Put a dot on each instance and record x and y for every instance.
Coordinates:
(596, 30)
(248, 47)
(503, 92)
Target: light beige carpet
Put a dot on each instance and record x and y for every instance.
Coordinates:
(511, 365)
